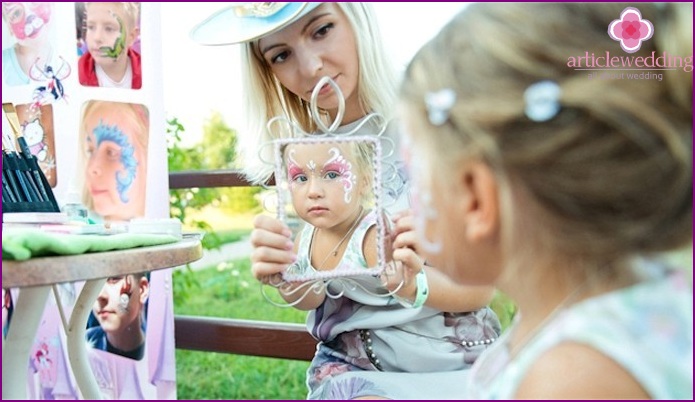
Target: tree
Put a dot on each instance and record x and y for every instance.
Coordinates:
(219, 142)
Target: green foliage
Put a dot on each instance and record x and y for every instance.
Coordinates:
(220, 143)
(505, 309)
(229, 290)
(180, 159)
(205, 375)
(217, 151)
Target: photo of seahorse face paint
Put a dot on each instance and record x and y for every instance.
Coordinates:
(115, 145)
(26, 20)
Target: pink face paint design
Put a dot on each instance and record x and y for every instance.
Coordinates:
(338, 163)
(295, 174)
(26, 19)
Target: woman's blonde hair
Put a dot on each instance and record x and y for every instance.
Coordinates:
(607, 178)
(266, 98)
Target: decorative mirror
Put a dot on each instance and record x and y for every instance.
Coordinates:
(332, 187)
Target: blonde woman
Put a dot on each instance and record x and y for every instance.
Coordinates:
(288, 48)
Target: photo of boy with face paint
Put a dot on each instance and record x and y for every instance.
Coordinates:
(110, 30)
(29, 24)
(114, 138)
(120, 311)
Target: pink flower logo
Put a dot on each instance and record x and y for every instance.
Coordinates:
(630, 30)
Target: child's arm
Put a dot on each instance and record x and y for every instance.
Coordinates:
(310, 299)
(369, 247)
(444, 294)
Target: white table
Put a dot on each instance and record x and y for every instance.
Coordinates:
(35, 277)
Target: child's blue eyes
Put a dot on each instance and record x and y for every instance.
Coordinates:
(303, 178)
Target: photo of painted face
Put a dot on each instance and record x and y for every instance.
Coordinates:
(114, 138)
(120, 311)
(108, 37)
(29, 26)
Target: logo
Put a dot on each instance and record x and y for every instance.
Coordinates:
(630, 30)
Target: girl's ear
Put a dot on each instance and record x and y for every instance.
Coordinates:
(479, 202)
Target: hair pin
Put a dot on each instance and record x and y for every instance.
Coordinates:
(439, 104)
(542, 100)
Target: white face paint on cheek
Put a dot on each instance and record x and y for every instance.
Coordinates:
(423, 211)
(124, 302)
(338, 163)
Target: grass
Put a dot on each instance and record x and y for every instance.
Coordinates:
(229, 290)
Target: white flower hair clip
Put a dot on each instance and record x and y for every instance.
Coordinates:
(542, 101)
(439, 104)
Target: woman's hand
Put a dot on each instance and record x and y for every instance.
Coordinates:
(273, 249)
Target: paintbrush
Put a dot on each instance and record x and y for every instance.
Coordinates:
(17, 173)
(17, 180)
(35, 183)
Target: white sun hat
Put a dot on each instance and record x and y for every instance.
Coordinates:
(245, 22)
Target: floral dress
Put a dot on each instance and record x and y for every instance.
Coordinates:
(372, 345)
(646, 328)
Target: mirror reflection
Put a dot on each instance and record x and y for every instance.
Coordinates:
(330, 184)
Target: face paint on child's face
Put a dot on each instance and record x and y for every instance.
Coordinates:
(338, 163)
(335, 167)
(119, 44)
(126, 292)
(421, 202)
(321, 183)
(26, 20)
(126, 155)
(116, 305)
(106, 33)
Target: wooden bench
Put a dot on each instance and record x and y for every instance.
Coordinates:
(244, 337)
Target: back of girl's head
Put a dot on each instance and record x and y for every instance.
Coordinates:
(266, 98)
(610, 174)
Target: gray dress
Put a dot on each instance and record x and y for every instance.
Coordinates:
(372, 345)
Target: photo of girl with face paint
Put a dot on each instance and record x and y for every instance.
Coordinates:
(120, 312)
(29, 24)
(110, 30)
(113, 142)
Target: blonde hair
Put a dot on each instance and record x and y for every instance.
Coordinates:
(131, 10)
(610, 176)
(267, 98)
(138, 113)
